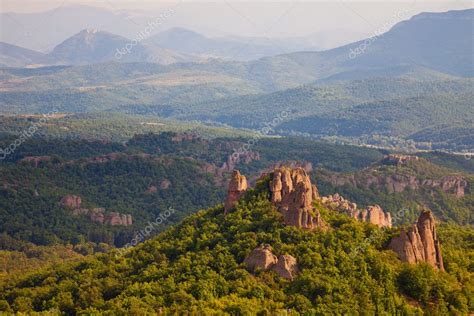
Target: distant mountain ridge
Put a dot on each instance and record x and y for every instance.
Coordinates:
(231, 47)
(92, 46)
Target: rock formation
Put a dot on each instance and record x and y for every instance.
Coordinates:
(237, 157)
(99, 215)
(293, 193)
(116, 219)
(419, 243)
(71, 201)
(372, 214)
(236, 189)
(375, 215)
(262, 258)
(286, 267)
(165, 184)
(399, 182)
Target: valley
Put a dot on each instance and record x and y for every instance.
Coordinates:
(275, 158)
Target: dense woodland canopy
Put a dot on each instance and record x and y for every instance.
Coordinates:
(197, 267)
(30, 209)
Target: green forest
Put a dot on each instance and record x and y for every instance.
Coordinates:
(197, 267)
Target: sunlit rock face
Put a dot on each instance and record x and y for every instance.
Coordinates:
(419, 243)
(293, 194)
(262, 258)
(236, 189)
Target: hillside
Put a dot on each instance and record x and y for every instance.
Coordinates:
(15, 56)
(146, 174)
(230, 47)
(204, 266)
(408, 185)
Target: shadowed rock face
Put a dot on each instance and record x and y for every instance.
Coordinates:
(419, 242)
(262, 258)
(293, 194)
(237, 187)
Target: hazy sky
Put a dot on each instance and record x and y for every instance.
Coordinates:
(349, 18)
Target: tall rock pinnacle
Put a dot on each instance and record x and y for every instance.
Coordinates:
(237, 188)
(293, 193)
(419, 243)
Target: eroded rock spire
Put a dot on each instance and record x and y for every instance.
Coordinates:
(419, 243)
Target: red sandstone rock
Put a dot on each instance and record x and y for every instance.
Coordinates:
(71, 201)
(261, 258)
(236, 189)
(373, 214)
(165, 184)
(286, 267)
(419, 243)
(292, 192)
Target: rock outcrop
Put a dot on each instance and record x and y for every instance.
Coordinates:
(293, 193)
(117, 219)
(262, 258)
(373, 214)
(419, 243)
(99, 215)
(236, 189)
(400, 182)
(237, 157)
(71, 201)
(286, 267)
(165, 184)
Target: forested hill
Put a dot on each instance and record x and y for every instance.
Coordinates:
(201, 266)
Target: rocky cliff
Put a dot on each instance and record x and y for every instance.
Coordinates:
(419, 243)
(373, 214)
(98, 215)
(293, 194)
(71, 201)
(236, 189)
(397, 183)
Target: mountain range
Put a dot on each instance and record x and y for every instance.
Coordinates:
(420, 72)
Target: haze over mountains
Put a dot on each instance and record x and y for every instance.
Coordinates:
(336, 180)
(423, 65)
